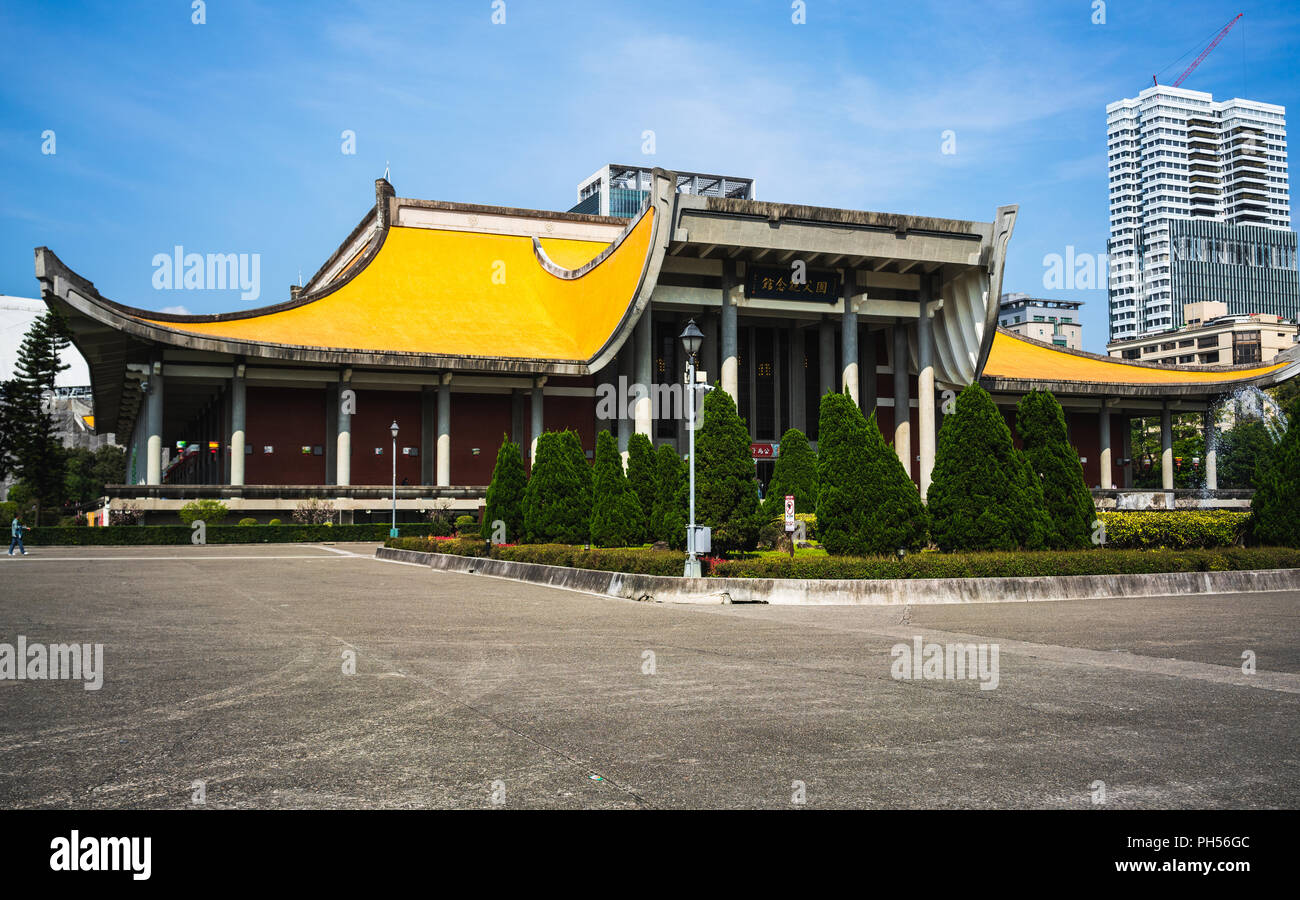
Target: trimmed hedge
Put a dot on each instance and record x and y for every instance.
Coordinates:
(1040, 423)
(916, 565)
(1004, 565)
(145, 535)
(638, 560)
(984, 496)
(1181, 529)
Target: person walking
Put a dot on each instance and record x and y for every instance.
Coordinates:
(16, 529)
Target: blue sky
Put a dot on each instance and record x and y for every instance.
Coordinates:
(226, 136)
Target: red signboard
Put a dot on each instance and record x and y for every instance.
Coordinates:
(764, 449)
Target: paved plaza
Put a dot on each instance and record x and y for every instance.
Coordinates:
(225, 665)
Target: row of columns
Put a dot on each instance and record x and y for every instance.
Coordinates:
(435, 427)
(1209, 426)
(850, 375)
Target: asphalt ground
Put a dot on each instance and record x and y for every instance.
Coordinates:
(225, 665)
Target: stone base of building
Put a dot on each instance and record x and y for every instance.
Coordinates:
(356, 504)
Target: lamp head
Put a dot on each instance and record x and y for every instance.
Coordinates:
(692, 338)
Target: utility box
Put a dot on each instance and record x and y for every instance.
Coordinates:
(699, 540)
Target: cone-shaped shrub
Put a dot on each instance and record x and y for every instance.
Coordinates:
(795, 473)
(505, 495)
(727, 492)
(641, 471)
(557, 501)
(984, 495)
(1276, 512)
(865, 501)
(1040, 422)
(669, 513)
(616, 519)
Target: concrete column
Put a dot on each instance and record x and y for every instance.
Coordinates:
(730, 360)
(902, 403)
(238, 416)
(1211, 449)
(826, 356)
(442, 472)
(1166, 447)
(849, 340)
(925, 386)
(343, 442)
(428, 432)
(622, 383)
(154, 427)
(643, 337)
(535, 431)
(1104, 457)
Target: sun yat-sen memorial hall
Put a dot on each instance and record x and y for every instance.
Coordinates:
(464, 323)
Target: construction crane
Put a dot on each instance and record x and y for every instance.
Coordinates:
(1204, 53)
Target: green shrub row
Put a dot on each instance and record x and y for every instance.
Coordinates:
(1004, 565)
(143, 535)
(1175, 530)
(917, 565)
(639, 560)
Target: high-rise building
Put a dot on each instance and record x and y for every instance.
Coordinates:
(1050, 321)
(1200, 209)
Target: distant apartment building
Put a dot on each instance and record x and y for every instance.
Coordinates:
(1050, 321)
(615, 190)
(1200, 209)
(1211, 336)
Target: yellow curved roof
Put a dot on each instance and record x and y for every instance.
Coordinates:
(1012, 357)
(460, 293)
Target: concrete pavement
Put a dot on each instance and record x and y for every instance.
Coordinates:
(225, 665)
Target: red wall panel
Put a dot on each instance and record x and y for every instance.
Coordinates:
(574, 413)
(286, 419)
(477, 420)
(371, 428)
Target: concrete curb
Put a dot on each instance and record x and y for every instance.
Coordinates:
(860, 592)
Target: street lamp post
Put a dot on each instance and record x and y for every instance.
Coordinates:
(691, 338)
(392, 532)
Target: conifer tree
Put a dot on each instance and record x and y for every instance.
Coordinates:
(1040, 422)
(984, 495)
(727, 491)
(795, 473)
(505, 494)
(1275, 512)
(557, 500)
(866, 502)
(669, 513)
(31, 449)
(641, 471)
(616, 518)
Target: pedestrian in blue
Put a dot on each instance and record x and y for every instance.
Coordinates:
(16, 529)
